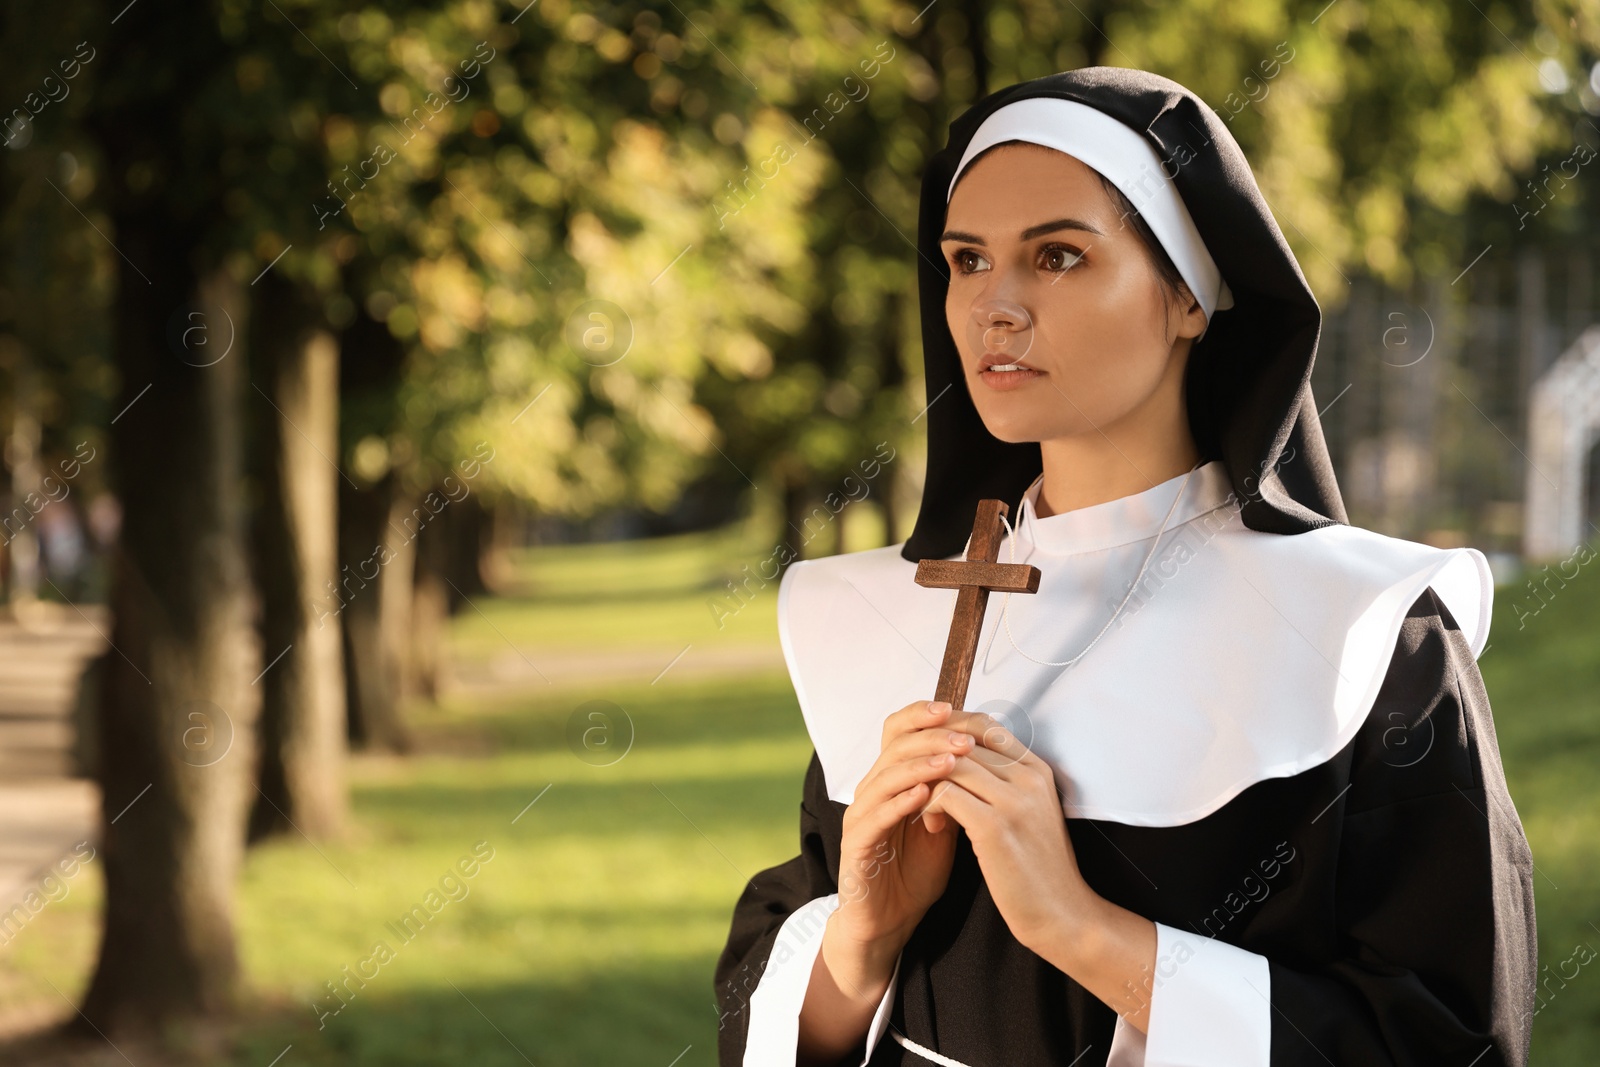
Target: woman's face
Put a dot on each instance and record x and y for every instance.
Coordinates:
(1046, 278)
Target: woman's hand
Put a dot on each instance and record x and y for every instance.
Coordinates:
(1005, 798)
(892, 866)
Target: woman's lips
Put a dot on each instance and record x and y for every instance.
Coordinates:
(1002, 377)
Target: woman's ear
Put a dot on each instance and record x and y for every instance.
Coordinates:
(1191, 317)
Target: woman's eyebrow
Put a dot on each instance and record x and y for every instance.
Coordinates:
(1059, 224)
(1027, 235)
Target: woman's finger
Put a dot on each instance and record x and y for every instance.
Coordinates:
(876, 823)
(909, 748)
(973, 778)
(992, 734)
(956, 802)
(917, 716)
(897, 778)
(983, 781)
(998, 764)
(929, 741)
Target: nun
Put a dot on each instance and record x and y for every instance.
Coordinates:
(1225, 790)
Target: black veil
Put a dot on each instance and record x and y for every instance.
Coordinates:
(1248, 384)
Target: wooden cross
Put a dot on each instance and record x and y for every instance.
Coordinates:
(976, 577)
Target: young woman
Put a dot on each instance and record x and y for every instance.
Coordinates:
(1225, 790)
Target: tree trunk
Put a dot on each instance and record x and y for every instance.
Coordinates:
(468, 527)
(177, 709)
(397, 597)
(795, 497)
(977, 16)
(504, 524)
(430, 608)
(374, 590)
(450, 570)
(377, 560)
(1096, 42)
(22, 539)
(302, 730)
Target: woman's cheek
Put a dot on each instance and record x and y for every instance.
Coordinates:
(958, 317)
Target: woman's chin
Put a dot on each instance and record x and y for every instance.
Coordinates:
(1023, 427)
(1014, 431)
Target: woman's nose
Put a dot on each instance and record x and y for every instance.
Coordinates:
(999, 314)
(1003, 328)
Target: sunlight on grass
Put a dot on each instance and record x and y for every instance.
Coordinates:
(591, 933)
(666, 591)
(1543, 678)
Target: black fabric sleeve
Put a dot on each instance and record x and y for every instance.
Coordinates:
(1431, 958)
(770, 898)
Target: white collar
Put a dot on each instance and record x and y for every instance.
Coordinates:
(1243, 655)
(1124, 520)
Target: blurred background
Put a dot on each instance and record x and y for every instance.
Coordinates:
(408, 410)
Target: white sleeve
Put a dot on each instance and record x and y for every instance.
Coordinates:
(774, 1033)
(1127, 1046)
(1211, 1004)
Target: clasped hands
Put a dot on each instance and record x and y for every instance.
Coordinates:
(940, 771)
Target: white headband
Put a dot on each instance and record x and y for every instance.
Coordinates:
(1126, 159)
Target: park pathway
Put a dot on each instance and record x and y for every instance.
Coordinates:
(44, 809)
(515, 671)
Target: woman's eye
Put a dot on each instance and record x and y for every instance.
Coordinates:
(1059, 257)
(968, 261)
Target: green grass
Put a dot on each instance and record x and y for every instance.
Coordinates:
(591, 934)
(628, 593)
(1543, 679)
